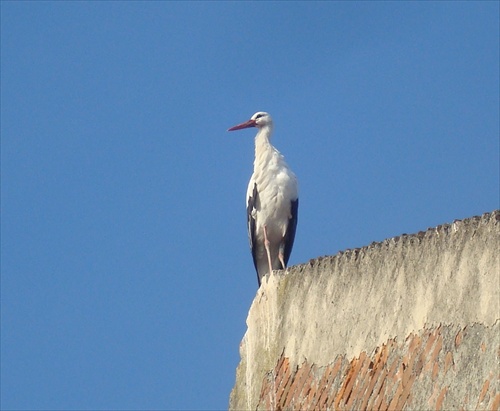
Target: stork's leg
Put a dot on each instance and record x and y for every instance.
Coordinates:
(281, 257)
(267, 244)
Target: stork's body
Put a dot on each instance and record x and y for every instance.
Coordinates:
(272, 201)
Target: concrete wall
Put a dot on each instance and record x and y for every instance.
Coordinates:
(412, 322)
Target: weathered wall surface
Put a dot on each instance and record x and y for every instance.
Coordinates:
(412, 322)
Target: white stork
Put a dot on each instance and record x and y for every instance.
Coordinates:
(272, 201)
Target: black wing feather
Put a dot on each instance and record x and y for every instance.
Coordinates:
(290, 231)
(252, 204)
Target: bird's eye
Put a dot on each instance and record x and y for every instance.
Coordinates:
(258, 116)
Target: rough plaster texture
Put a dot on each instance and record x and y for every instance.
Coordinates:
(316, 333)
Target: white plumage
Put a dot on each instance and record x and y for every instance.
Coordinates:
(272, 201)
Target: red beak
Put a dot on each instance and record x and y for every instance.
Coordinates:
(246, 124)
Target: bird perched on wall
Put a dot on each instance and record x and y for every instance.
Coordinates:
(272, 201)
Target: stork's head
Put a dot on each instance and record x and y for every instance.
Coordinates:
(260, 119)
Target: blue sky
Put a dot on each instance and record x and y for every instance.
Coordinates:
(126, 276)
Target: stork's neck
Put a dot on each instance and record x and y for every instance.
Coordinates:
(264, 151)
(263, 140)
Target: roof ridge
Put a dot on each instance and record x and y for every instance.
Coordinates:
(445, 229)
